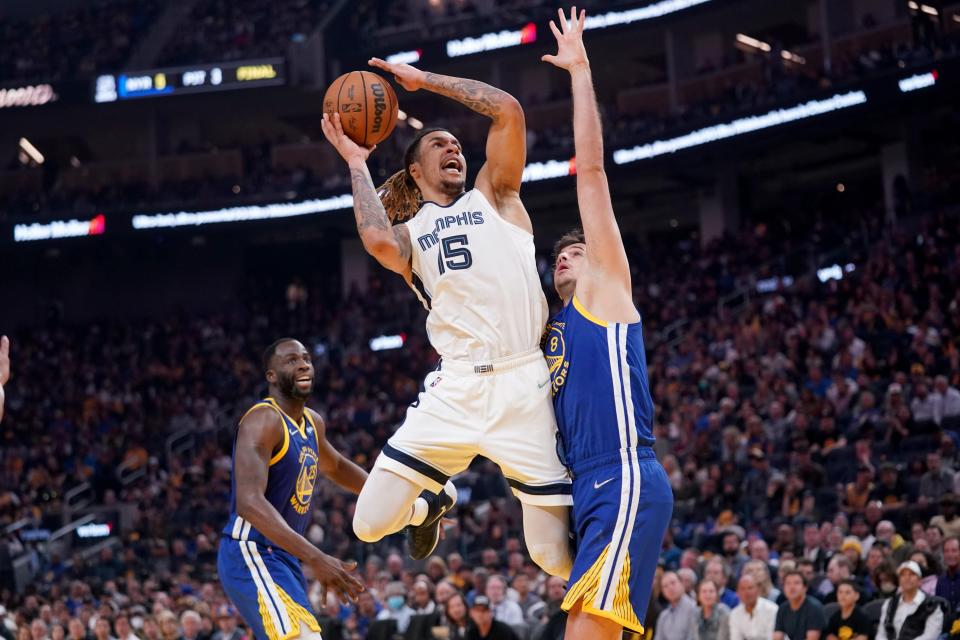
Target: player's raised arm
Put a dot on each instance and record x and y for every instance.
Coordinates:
(4, 368)
(333, 464)
(501, 175)
(388, 243)
(259, 434)
(600, 229)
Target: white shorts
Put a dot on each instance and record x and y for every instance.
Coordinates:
(502, 410)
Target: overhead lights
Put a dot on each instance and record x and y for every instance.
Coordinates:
(746, 40)
(32, 152)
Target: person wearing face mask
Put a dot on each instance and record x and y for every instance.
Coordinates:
(884, 577)
(397, 608)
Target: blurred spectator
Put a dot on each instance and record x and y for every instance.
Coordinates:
(799, 615)
(848, 622)
(716, 570)
(505, 610)
(457, 616)
(755, 617)
(485, 627)
(395, 597)
(680, 615)
(712, 620)
(911, 613)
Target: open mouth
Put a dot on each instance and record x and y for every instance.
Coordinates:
(304, 380)
(452, 167)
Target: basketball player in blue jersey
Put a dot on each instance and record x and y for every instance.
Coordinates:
(469, 256)
(4, 368)
(280, 450)
(622, 501)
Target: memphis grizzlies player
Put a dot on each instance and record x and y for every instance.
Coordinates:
(279, 451)
(622, 500)
(469, 256)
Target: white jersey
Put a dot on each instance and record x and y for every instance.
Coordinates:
(477, 276)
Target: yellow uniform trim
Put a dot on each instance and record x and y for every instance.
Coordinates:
(316, 434)
(301, 426)
(297, 614)
(286, 434)
(586, 314)
(585, 591)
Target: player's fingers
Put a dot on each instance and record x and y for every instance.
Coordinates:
(573, 18)
(380, 64)
(4, 345)
(583, 19)
(337, 124)
(348, 565)
(556, 32)
(563, 20)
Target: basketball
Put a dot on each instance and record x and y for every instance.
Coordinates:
(367, 105)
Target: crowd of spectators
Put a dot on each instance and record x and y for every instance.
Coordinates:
(813, 432)
(233, 30)
(74, 42)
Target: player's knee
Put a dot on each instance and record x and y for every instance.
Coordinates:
(554, 558)
(365, 530)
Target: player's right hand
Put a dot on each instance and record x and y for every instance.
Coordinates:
(570, 50)
(347, 148)
(335, 577)
(4, 359)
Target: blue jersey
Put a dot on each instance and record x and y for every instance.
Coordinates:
(290, 482)
(600, 391)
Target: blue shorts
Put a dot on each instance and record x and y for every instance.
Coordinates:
(267, 586)
(622, 505)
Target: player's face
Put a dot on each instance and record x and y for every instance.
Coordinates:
(440, 163)
(570, 263)
(292, 370)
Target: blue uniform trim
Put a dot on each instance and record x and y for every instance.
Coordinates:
(265, 580)
(422, 290)
(417, 465)
(557, 488)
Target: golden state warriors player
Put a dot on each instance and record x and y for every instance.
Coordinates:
(469, 256)
(279, 451)
(622, 500)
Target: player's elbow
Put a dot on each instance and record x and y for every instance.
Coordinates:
(509, 109)
(378, 244)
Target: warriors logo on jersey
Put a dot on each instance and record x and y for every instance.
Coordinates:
(306, 479)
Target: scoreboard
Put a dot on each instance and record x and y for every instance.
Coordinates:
(198, 78)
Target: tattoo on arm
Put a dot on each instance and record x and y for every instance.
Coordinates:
(479, 96)
(403, 242)
(367, 207)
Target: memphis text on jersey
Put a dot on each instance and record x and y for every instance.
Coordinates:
(467, 218)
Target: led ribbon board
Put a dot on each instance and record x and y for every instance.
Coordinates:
(201, 78)
(240, 214)
(740, 126)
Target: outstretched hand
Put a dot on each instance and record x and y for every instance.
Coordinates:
(347, 148)
(410, 78)
(570, 50)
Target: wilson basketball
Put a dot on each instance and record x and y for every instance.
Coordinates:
(367, 106)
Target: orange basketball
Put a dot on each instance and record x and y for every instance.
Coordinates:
(367, 106)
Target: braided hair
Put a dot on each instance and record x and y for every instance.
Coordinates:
(399, 194)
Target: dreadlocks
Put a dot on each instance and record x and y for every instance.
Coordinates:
(399, 194)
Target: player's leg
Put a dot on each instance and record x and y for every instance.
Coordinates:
(435, 442)
(267, 588)
(547, 533)
(523, 441)
(584, 626)
(389, 502)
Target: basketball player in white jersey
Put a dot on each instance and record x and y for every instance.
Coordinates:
(469, 256)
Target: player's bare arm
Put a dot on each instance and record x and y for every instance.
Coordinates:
(332, 464)
(4, 368)
(606, 286)
(500, 177)
(389, 244)
(260, 434)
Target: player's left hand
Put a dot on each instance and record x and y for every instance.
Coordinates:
(4, 359)
(410, 78)
(570, 50)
